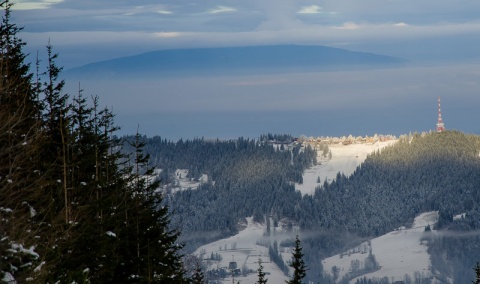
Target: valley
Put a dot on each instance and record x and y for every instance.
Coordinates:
(354, 224)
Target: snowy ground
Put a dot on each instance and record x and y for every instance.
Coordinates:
(345, 159)
(181, 181)
(398, 253)
(243, 250)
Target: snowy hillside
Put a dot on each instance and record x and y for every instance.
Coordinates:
(245, 250)
(345, 159)
(398, 253)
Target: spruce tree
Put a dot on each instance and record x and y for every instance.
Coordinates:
(477, 274)
(71, 208)
(261, 274)
(298, 265)
(198, 277)
(150, 249)
(19, 148)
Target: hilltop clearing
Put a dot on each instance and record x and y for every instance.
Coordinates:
(343, 159)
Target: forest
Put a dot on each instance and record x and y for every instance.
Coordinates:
(248, 177)
(420, 173)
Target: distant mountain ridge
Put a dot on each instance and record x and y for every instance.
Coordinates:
(277, 58)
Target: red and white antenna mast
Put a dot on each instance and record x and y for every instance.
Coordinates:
(440, 125)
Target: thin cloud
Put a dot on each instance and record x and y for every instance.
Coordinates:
(167, 34)
(34, 5)
(349, 26)
(222, 9)
(313, 9)
(164, 12)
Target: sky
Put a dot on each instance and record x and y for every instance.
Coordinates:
(428, 33)
(95, 30)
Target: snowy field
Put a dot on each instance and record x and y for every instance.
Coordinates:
(244, 250)
(398, 253)
(345, 159)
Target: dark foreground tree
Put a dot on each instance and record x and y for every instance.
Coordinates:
(20, 143)
(198, 277)
(148, 246)
(477, 274)
(298, 265)
(261, 274)
(71, 209)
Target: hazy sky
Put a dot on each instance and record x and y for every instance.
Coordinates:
(440, 38)
(95, 30)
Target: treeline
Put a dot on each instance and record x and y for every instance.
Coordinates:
(241, 158)
(69, 211)
(276, 257)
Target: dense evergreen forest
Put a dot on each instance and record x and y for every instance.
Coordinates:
(420, 173)
(246, 177)
(436, 171)
(73, 208)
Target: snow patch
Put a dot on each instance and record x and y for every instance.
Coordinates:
(8, 278)
(182, 182)
(398, 253)
(39, 267)
(6, 210)
(459, 216)
(243, 249)
(345, 159)
(15, 248)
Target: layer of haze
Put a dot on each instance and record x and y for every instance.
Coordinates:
(384, 101)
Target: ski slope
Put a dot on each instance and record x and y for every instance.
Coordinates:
(345, 159)
(398, 253)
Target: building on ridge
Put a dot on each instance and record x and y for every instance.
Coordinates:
(440, 124)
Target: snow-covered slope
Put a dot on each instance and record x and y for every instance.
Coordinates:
(244, 250)
(345, 159)
(398, 253)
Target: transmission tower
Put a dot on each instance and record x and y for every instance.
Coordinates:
(440, 125)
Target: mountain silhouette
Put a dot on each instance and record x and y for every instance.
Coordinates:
(225, 60)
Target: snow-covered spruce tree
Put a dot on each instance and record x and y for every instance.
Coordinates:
(147, 245)
(19, 147)
(477, 274)
(298, 265)
(261, 274)
(198, 277)
(94, 185)
(69, 210)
